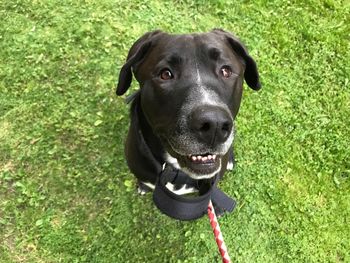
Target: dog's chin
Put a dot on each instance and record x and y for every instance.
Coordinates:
(199, 166)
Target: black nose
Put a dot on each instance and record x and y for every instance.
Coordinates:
(211, 124)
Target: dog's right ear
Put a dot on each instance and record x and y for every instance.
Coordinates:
(251, 74)
(136, 53)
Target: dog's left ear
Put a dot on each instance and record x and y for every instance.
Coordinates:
(251, 74)
(136, 53)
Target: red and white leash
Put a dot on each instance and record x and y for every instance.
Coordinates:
(217, 233)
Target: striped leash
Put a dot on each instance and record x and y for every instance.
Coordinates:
(217, 233)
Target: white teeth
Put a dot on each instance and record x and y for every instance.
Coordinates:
(201, 158)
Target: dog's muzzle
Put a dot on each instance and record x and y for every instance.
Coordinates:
(203, 138)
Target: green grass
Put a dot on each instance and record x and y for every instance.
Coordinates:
(66, 194)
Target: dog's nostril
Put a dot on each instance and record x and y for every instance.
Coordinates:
(205, 127)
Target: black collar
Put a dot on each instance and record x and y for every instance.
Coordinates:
(193, 207)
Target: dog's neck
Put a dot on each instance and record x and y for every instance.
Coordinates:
(152, 141)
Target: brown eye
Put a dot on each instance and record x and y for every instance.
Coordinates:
(166, 74)
(226, 72)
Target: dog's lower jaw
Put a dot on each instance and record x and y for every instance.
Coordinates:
(201, 176)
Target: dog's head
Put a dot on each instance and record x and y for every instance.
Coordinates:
(191, 88)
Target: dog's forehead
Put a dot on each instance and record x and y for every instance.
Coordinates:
(187, 44)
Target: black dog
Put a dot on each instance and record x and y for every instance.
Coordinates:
(183, 115)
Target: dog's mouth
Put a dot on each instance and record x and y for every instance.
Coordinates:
(200, 166)
(200, 163)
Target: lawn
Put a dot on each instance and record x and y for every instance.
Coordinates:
(66, 194)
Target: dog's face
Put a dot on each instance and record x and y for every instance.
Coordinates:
(191, 88)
